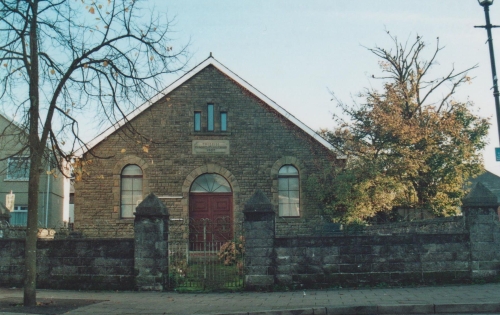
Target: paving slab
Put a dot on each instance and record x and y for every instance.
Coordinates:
(459, 299)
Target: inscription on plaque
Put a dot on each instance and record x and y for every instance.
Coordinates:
(210, 146)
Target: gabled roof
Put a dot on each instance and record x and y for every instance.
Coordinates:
(213, 62)
(12, 121)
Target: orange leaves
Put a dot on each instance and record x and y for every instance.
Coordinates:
(78, 167)
(410, 145)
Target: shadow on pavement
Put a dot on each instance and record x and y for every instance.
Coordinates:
(44, 306)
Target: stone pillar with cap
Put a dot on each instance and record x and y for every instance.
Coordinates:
(258, 229)
(151, 244)
(480, 210)
(4, 221)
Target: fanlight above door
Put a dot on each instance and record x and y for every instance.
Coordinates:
(210, 183)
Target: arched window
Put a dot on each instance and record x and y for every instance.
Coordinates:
(289, 191)
(210, 183)
(131, 190)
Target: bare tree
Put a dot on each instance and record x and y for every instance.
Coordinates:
(61, 59)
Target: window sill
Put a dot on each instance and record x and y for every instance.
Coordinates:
(16, 180)
(211, 133)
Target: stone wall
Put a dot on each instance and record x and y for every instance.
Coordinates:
(432, 226)
(446, 250)
(481, 208)
(372, 260)
(100, 264)
(467, 250)
(484, 229)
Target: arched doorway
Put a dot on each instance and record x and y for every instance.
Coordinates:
(210, 212)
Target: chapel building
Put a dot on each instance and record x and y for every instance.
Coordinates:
(203, 146)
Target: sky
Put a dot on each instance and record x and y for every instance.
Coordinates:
(298, 52)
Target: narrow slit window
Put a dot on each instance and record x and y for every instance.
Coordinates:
(210, 117)
(197, 121)
(223, 121)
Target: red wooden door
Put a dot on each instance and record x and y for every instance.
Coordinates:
(211, 220)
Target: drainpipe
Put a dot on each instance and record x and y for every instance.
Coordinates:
(47, 196)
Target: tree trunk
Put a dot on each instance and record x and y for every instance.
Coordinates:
(36, 153)
(31, 238)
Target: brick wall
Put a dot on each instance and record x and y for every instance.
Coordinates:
(100, 264)
(260, 141)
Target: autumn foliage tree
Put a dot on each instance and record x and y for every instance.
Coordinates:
(410, 145)
(62, 60)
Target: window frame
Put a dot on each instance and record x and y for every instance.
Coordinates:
(288, 190)
(26, 172)
(197, 121)
(210, 183)
(210, 117)
(19, 209)
(223, 121)
(135, 192)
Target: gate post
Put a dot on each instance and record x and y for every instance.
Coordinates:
(480, 209)
(151, 244)
(4, 222)
(258, 230)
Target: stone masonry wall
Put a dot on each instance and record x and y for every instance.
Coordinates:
(448, 250)
(372, 260)
(431, 226)
(100, 264)
(484, 228)
(260, 142)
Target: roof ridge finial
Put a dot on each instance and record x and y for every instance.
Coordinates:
(211, 55)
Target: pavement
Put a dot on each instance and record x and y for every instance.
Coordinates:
(457, 299)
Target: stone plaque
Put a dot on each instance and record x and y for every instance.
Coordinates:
(210, 146)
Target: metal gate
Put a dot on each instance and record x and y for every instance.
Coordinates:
(204, 255)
